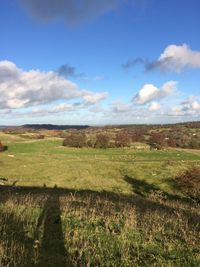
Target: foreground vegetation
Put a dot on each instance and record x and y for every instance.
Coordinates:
(62, 206)
(55, 227)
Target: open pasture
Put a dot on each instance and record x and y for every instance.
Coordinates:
(63, 206)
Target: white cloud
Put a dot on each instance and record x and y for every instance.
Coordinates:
(120, 107)
(189, 107)
(22, 89)
(93, 98)
(149, 92)
(176, 58)
(154, 106)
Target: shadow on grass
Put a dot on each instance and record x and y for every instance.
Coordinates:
(13, 235)
(161, 201)
(140, 187)
(144, 189)
(51, 249)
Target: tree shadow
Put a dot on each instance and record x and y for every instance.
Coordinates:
(163, 202)
(140, 187)
(144, 189)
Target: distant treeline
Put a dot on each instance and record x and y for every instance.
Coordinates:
(180, 135)
(192, 124)
(54, 127)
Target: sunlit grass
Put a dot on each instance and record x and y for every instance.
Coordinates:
(120, 209)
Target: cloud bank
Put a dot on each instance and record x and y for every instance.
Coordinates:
(189, 107)
(24, 89)
(35, 93)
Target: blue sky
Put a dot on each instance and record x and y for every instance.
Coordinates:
(99, 62)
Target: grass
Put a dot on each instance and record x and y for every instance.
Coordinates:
(59, 227)
(47, 162)
(114, 207)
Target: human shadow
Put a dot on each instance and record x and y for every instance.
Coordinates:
(52, 250)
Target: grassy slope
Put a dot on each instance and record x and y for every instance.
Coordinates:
(84, 228)
(47, 162)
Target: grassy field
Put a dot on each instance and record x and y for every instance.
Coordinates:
(95, 207)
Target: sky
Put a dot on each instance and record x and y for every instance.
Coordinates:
(99, 62)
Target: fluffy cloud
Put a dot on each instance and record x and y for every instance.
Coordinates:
(189, 107)
(149, 92)
(154, 106)
(23, 89)
(176, 58)
(72, 11)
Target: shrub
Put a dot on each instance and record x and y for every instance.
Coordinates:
(194, 144)
(138, 135)
(102, 141)
(2, 147)
(75, 140)
(122, 139)
(158, 138)
(171, 142)
(91, 143)
(189, 183)
(40, 136)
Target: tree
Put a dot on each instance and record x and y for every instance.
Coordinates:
(138, 135)
(75, 140)
(123, 139)
(157, 140)
(194, 143)
(189, 183)
(2, 147)
(102, 141)
(171, 142)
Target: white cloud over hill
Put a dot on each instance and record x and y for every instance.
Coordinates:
(23, 89)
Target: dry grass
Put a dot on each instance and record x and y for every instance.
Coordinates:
(59, 227)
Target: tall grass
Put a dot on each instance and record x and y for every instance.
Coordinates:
(59, 227)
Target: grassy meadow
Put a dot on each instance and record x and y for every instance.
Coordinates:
(62, 206)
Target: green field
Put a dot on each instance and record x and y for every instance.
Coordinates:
(95, 207)
(48, 162)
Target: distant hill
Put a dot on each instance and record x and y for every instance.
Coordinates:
(54, 127)
(193, 124)
(190, 124)
(7, 127)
